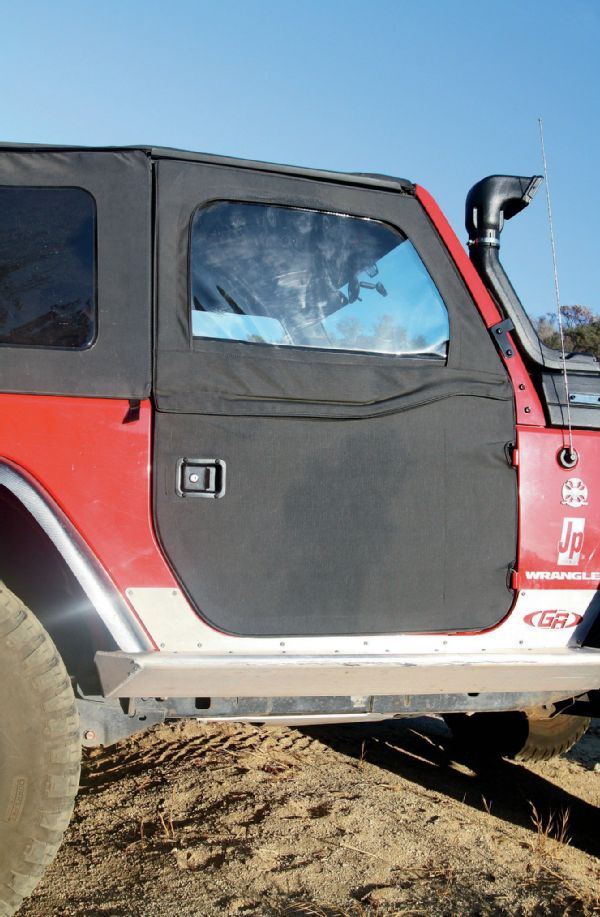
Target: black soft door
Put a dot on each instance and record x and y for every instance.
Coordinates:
(332, 415)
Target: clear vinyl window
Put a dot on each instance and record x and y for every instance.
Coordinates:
(47, 267)
(266, 274)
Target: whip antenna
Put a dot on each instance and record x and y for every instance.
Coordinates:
(573, 454)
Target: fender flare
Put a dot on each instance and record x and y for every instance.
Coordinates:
(85, 567)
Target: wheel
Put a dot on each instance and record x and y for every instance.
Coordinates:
(40, 751)
(524, 735)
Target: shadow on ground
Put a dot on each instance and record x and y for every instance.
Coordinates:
(423, 752)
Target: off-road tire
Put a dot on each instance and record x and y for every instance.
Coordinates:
(519, 735)
(40, 751)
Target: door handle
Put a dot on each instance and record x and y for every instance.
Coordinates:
(200, 478)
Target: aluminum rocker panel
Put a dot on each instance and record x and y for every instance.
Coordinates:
(569, 671)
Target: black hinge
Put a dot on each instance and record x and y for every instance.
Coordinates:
(499, 333)
(133, 412)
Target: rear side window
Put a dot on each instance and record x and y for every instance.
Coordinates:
(47, 267)
(283, 276)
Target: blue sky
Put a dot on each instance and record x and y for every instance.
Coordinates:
(440, 92)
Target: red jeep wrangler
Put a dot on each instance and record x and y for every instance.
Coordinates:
(273, 448)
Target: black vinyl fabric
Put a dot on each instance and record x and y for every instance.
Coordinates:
(365, 494)
(343, 527)
(364, 179)
(195, 375)
(119, 362)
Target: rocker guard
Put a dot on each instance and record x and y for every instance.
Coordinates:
(565, 672)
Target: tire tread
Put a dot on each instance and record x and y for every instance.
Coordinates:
(36, 842)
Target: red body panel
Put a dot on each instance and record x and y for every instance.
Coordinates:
(547, 524)
(97, 469)
(542, 515)
(528, 407)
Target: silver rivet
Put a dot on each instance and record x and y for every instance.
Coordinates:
(194, 478)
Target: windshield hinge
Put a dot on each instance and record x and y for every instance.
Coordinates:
(499, 333)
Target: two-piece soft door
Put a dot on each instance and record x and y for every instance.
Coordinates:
(332, 416)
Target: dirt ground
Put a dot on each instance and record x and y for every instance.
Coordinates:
(198, 820)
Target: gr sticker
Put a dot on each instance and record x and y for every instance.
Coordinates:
(553, 619)
(571, 542)
(574, 493)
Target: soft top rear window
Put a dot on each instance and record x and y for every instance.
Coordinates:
(47, 267)
(284, 276)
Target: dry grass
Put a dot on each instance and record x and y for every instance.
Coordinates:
(551, 831)
(487, 804)
(362, 756)
(167, 827)
(586, 902)
(317, 910)
(311, 909)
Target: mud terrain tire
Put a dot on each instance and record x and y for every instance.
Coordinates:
(519, 735)
(40, 751)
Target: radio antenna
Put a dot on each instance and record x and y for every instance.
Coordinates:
(572, 454)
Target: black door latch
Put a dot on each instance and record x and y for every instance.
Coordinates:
(200, 477)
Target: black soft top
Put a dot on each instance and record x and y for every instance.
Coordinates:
(366, 179)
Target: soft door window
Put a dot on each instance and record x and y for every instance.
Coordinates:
(266, 274)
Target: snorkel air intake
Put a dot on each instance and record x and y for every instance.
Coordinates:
(491, 202)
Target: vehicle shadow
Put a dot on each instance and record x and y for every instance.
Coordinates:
(423, 752)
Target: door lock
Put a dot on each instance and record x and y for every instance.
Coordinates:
(200, 478)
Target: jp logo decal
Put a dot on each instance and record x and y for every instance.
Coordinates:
(554, 620)
(574, 493)
(571, 542)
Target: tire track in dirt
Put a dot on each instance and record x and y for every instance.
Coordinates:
(216, 741)
(212, 820)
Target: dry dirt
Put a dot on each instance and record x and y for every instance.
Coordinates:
(197, 820)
